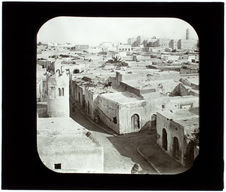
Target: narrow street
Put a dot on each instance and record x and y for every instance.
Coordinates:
(120, 151)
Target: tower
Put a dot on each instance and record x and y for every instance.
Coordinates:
(187, 34)
(58, 95)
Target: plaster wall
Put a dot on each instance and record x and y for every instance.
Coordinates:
(130, 89)
(58, 107)
(126, 111)
(180, 104)
(88, 159)
(78, 93)
(173, 129)
(90, 106)
(107, 110)
(180, 90)
(58, 104)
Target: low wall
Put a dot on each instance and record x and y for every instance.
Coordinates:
(42, 110)
(58, 107)
(80, 160)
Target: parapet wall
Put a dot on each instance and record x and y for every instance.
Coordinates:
(81, 160)
(58, 107)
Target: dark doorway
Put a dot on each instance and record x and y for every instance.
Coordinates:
(189, 156)
(164, 139)
(153, 122)
(79, 100)
(176, 148)
(83, 101)
(135, 122)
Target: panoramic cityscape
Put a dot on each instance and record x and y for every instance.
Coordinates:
(117, 95)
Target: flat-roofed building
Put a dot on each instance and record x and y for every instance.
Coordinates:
(177, 134)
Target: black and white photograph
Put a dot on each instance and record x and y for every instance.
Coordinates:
(117, 95)
(112, 96)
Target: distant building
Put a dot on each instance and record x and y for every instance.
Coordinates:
(80, 47)
(172, 44)
(107, 46)
(125, 48)
(163, 43)
(131, 40)
(189, 69)
(187, 44)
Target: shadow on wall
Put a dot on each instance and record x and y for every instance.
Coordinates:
(79, 115)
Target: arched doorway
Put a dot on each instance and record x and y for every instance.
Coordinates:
(164, 139)
(189, 156)
(176, 148)
(153, 122)
(135, 120)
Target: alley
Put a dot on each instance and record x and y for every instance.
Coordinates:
(120, 151)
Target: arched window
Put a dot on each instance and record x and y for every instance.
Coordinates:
(59, 91)
(62, 92)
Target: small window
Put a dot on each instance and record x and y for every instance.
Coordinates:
(62, 91)
(76, 71)
(163, 106)
(115, 120)
(59, 91)
(57, 166)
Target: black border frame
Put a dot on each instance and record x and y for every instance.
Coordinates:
(21, 166)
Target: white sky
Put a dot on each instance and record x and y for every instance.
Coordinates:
(92, 31)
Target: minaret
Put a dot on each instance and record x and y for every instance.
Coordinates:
(58, 95)
(187, 34)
